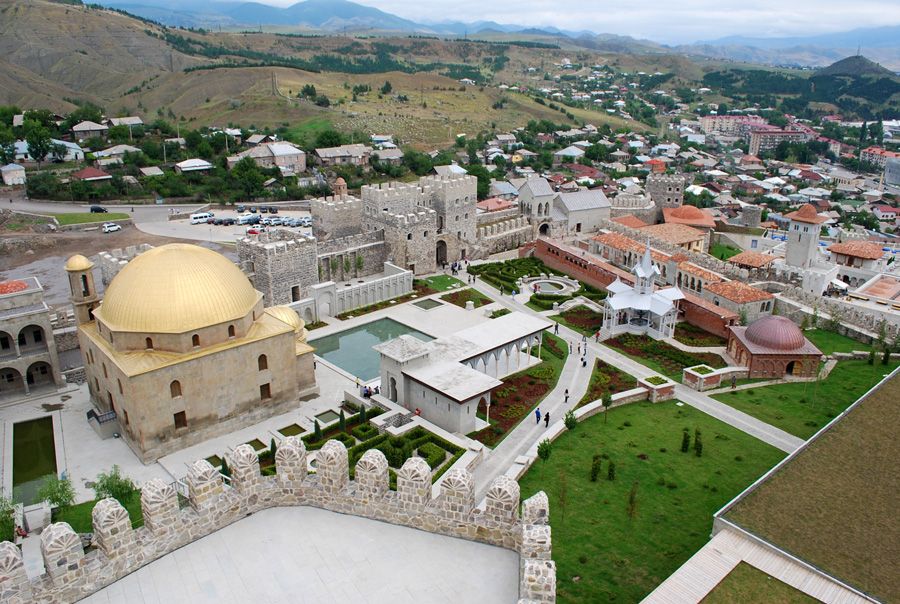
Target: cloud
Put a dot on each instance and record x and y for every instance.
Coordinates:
(669, 21)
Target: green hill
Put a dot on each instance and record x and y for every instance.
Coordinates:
(856, 66)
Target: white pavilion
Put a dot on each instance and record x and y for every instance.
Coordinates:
(641, 308)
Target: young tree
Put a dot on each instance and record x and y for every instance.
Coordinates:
(543, 449)
(317, 431)
(631, 509)
(569, 420)
(39, 143)
(113, 484)
(273, 447)
(360, 262)
(607, 403)
(685, 441)
(698, 443)
(362, 414)
(611, 471)
(386, 88)
(596, 467)
(58, 491)
(342, 422)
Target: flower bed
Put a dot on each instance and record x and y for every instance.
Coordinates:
(505, 274)
(691, 335)
(703, 369)
(606, 378)
(500, 312)
(460, 297)
(656, 380)
(662, 357)
(581, 319)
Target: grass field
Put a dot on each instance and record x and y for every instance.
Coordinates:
(443, 283)
(79, 516)
(748, 584)
(828, 341)
(605, 554)
(87, 217)
(723, 252)
(803, 408)
(581, 319)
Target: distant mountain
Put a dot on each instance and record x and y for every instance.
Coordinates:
(867, 38)
(325, 14)
(856, 65)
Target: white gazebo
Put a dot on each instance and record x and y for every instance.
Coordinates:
(641, 308)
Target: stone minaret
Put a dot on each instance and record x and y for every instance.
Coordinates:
(81, 285)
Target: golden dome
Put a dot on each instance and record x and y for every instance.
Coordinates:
(78, 263)
(176, 288)
(288, 315)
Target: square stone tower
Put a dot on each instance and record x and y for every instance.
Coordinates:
(666, 190)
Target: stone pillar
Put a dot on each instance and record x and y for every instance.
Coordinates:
(372, 478)
(159, 505)
(536, 543)
(502, 501)
(536, 509)
(112, 528)
(62, 552)
(290, 462)
(414, 484)
(245, 476)
(15, 588)
(333, 467)
(204, 484)
(457, 495)
(538, 581)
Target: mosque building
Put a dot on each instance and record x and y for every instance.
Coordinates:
(773, 347)
(181, 349)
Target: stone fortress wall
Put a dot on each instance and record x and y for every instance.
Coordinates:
(335, 217)
(73, 574)
(277, 261)
(113, 261)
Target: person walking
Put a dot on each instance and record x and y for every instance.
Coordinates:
(570, 347)
(537, 415)
(733, 381)
(579, 347)
(547, 420)
(567, 395)
(556, 329)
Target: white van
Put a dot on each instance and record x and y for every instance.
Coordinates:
(200, 217)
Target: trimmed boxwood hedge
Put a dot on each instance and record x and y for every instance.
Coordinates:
(433, 454)
(365, 432)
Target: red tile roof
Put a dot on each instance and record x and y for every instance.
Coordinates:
(738, 292)
(90, 174)
(806, 214)
(752, 259)
(673, 233)
(868, 250)
(630, 221)
(689, 215)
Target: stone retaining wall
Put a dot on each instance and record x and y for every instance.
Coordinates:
(73, 574)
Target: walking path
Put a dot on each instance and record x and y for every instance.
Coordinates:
(576, 378)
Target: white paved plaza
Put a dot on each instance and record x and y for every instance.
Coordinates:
(317, 556)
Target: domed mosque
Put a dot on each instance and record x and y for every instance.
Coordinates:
(773, 346)
(181, 348)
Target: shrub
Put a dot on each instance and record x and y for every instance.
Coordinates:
(317, 431)
(698, 443)
(544, 448)
(569, 420)
(396, 449)
(685, 441)
(361, 417)
(611, 471)
(113, 484)
(596, 466)
(365, 432)
(433, 454)
(7, 524)
(541, 372)
(58, 491)
(871, 359)
(342, 422)
(273, 448)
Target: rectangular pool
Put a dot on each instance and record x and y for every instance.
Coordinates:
(351, 349)
(34, 457)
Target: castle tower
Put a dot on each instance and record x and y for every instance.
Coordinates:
(803, 236)
(666, 191)
(81, 285)
(340, 188)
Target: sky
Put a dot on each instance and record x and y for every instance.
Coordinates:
(666, 21)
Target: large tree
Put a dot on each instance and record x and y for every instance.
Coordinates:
(7, 145)
(39, 143)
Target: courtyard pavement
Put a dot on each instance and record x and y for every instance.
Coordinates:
(316, 556)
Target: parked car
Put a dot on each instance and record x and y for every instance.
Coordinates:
(210, 220)
(218, 221)
(98, 210)
(305, 221)
(256, 230)
(273, 210)
(111, 227)
(263, 209)
(290, 222)
(240, 208)
(252, 209)
(276, 221)
(229, 221)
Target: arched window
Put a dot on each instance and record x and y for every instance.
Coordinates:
(105, 375)
(195, 340)
(175, 389)
(231, 331)
(262, 362)
(148, 343)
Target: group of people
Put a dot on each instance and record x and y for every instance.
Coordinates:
(537, 417)
(456, 267)
(368, 391)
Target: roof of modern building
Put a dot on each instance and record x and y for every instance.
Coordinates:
(403, 348)
(867, 250)
(627, 244)
(455, 380)
(738, 292)
(698, 271)
(752, 259)
(176, 288)
(494, 204)
(585, 199)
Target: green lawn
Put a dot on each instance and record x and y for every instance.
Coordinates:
(748, 584)
(723, 252)
(86, 217)
(621, 558)
(828, 341)
(79, 516)
(803, 408)
(581, 319)
(306, 132)
(442, 283)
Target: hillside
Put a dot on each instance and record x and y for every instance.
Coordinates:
(855, 66)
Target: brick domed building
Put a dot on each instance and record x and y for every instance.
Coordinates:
(773, 346)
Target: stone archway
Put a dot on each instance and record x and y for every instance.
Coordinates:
(789, 368)
(11, 382)
(544, 229)
(39, 374)
(440, 252)
(392, 390)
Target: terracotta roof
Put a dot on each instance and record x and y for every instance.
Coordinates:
(494, 204)
(738, 292)
(630, 221)
(868, 250)
(808, 214)
(627, 244)
(693, 269)
(752, 259)
(679, 257)
(12, 286)
(673, 233)
(90, 174)
(689, 215)
(721, 311)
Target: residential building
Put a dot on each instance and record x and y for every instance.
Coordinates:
(193, 165)
(88, 129)
(13, 174)
(728, 124)
(877, 156)
(289, 159)
(768, 139)
(355, 155)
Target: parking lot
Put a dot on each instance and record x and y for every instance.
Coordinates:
(230, 232)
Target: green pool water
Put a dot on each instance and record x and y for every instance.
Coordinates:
(326, 417)
(427, 304)
(34, 457)
(351, 349)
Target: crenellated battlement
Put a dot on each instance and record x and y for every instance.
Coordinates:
(213, 504)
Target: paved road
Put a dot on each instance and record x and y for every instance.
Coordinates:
(576, 379)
